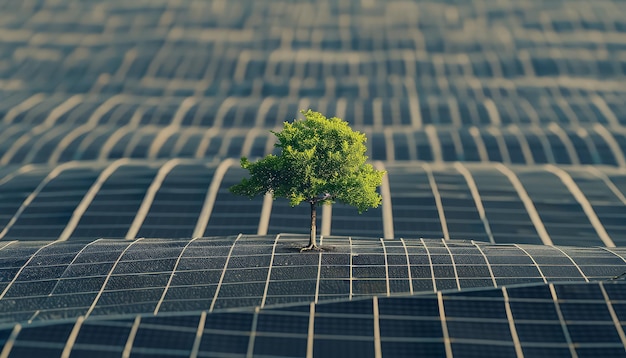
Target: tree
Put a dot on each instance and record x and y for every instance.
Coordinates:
(321, 160)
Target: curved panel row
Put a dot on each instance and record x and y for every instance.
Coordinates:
(46, 281)
(568, 205)
(188, 47)
(587, 145)
(531, 320)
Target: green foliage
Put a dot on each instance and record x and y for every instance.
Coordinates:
(322, 160)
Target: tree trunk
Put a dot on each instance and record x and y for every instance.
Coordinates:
(312, 243)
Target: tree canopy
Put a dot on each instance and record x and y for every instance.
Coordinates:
(321, 160)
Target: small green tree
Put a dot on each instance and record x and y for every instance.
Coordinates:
(321, 160)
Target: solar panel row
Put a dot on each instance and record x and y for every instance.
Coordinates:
(47, 281)
(531, 320)
(490, 202)
(586, 145)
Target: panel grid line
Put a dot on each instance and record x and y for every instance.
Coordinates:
(580, 197)
(408, 266)
(614, 317)
(131, 337)
(382, 242)
(319, 272)
(253, 333)
(269, 272)
(72, 337)
(196, 342)
(29, 199)
(17, 274)
(469, 179)
(430, 263)
(310, 333)
(493, 278)
(511, 320)
(108, 277)
(438, 202)
(573, 262)
(534, 262)
(351, 265)
(376, 317)
(562, 321)
(88, 198)
(528, 203)
(169, 281)
(219, 283)
(444, 325)
(211, 195)
(148, 198)
(456, 273)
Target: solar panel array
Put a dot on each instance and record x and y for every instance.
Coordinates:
(533, 320)
(580, 206)
(46, 281)
(500, 125)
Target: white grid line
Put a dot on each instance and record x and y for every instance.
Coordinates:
(569, 146)
(253, 333)
(528, 203)
(148, 198)
(408, 265)
(557, 307)
(72, 337)
(493, 278)
(319, 272)
(131, 338)
(430, 263)
(435, 144)
(209, 200)
(17, 274)
(108, 277)
(444, 325)
(456, 274)
(269, 272)
(437, 196)
(11, 341)
(24, 106)
(68, 267)
(50, 120)
(534, 262)
(196, 342)
(23, 169)
(382, 241)
(88, 198)
(266, 212)
(504, 150)
(172, 128)
(545, 144)
(616, 322)
(613, 252)
(477, 199)
(88, 126)
(29, 199)
(311, 331)
(608, 183)
(169, 281)
(387, 207)
(480, 143)
(580, 197)
(377, 346)
(351, 266)
(523, 141)
(509, 316)
(219, 283)
(7, 244)
(574, 262)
